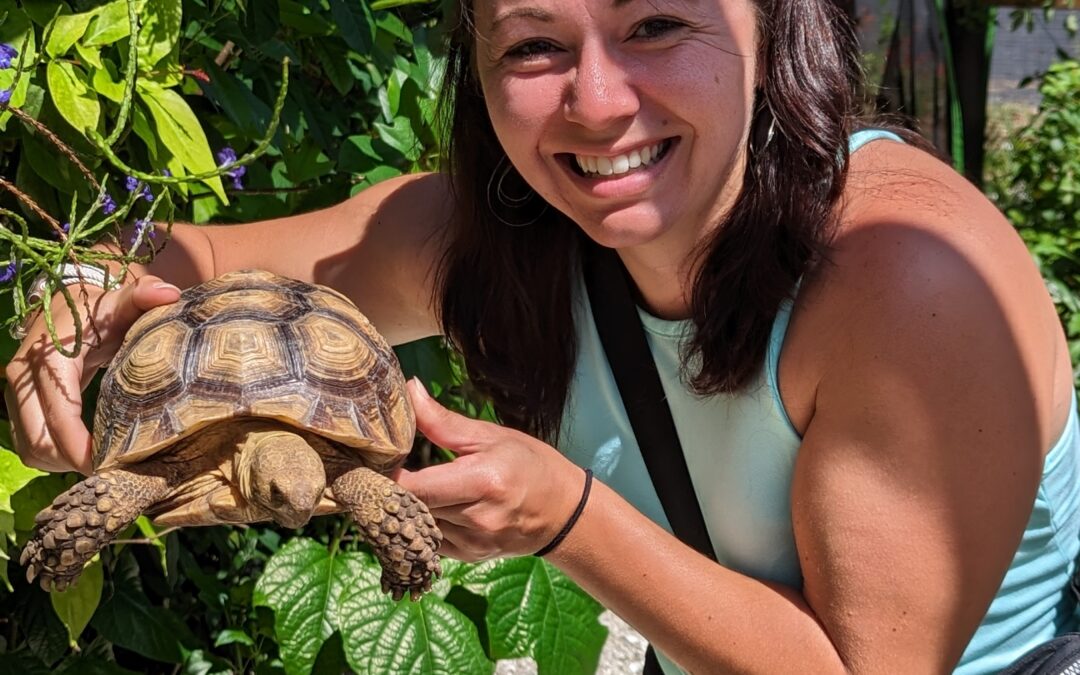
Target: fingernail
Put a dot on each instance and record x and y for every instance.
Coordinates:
(165, 286)
(420, 385)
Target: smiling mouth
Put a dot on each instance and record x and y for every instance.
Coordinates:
(592, 166)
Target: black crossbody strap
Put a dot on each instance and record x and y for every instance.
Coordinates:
(627, 351)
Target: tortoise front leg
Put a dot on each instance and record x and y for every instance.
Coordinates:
(397, 525)
(83, 520)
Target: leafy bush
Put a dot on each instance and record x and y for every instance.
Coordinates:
(1035, 179)
(137, 113)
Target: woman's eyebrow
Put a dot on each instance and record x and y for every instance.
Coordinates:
(524, 12)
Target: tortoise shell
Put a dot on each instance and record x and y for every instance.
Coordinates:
(254, 344)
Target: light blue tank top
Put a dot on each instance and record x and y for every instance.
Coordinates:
(740, 450)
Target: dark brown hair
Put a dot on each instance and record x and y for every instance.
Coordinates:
(506, 300)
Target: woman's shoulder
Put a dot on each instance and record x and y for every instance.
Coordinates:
(923, 267)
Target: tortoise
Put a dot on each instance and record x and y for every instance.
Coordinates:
(254, 397)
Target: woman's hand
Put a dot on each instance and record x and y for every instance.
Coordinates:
(506, 494)
(44, 388)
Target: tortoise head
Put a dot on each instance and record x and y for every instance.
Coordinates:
(280, 472)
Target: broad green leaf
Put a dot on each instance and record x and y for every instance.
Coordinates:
(107, 83)
(90, 55)
(14, 475)
(400, 136)
(110, 24)
(128, 620)
(303, 584)
(334, 61)
(159, 32)
(296, 15)
(376, 175)
(233, 636)
(306, 163)
(248, 113)
(77, 604)
(5, 559)
(36, 495)
(356, 23)
(536, 610)
(180, 132)
(66, 32)
(72, 95)
(429, 636)
(393, 90)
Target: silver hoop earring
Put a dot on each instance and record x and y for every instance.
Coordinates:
(508, 202)
(755, 132)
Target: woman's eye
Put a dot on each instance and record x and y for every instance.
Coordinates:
(657, 27)
(530, 50)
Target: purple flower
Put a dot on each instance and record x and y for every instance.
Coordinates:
(66, 227)
(5, 96)
(166, 173)
(131, 184)
(108, 206)
(227, 156)
(143, 226)
(146, 194)
(7, 53)
(9, 272)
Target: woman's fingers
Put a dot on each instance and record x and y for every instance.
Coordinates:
(114, 313)
(32, 438)
(44, 390)
(445, 428)
(462, 544)
(441, 485)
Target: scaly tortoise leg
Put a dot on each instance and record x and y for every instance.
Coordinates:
(83, 520)
(398, 526)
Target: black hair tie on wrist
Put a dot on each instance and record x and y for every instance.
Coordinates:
(573, 518)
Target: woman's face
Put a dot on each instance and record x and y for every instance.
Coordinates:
(629, 116)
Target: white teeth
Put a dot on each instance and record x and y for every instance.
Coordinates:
(620, 164)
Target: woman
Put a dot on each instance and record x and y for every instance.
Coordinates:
(866, 457)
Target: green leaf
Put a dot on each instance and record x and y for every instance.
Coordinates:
(180, 132)
(233, 636)
(356, 23)
(72, 95)
(66, 32)
(536, 610)
(306, 163)
(128, 620)
(36, 495)
(244, 108)
(110, 24)
(14, 476)
(303, 583)
(77, 604)
(400, 137)
(107, 83)
(334, 61)
(159, 33)
(429, 636)
(297, 16)
(90, 55)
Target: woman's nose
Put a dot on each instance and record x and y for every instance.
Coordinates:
(601, 91)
